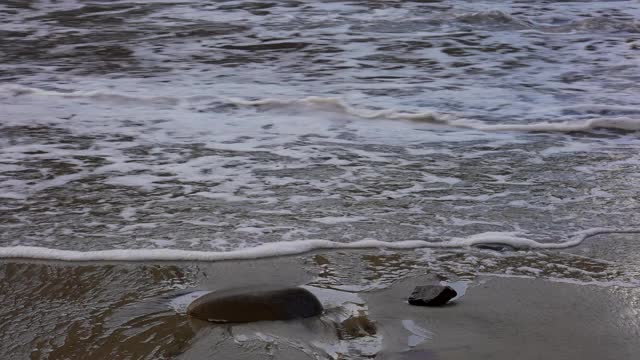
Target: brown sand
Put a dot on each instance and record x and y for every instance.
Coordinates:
(121, 311)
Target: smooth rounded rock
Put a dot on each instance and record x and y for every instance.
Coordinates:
(258, 305)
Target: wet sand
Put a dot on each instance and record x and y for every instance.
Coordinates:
(512, 318)
(136, 311)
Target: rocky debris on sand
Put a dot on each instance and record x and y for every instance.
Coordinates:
(356, 327)
(257, 305)
(431, 295)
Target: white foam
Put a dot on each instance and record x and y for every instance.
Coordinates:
(13, 195)
(529, 270)
(128, 213)
(619, 123)
(339, 219)
(334, 104)
(99, 95)
(443, 179)
(292, 248)
(133, 227)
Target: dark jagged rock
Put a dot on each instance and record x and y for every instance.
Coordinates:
(431, 295)
(248, 306)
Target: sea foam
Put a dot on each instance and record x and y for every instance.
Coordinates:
(294, 247)
(337, 105)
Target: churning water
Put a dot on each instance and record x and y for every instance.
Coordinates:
(217, 126)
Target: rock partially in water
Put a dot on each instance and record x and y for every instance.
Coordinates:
(431, 295)
(495, 247)
(356, 327)
(248, 306)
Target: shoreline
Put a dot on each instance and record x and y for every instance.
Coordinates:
(299, 247)
(72, 309)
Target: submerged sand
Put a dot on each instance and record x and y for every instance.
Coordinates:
(136, 310)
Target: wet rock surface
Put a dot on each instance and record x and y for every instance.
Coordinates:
(500, 247)
(241, 306)
(431, 295)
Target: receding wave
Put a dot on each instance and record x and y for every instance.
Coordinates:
(614, 123)
(336, 105)
(98, 95)
(295, 247)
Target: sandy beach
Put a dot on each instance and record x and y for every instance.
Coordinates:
(137, 310)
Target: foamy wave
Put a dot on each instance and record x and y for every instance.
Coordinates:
(99, 95)
(292, 248)
(615, 123)
(338, 106)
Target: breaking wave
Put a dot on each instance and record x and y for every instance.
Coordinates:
(338, 106)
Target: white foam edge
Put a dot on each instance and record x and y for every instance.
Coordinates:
(290, 248)
(334, 104)
(19, 90)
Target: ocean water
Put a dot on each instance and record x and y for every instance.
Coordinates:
(233, 129)
(438, 140)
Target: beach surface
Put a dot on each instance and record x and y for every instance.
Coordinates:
(154, 151)
(138, 310)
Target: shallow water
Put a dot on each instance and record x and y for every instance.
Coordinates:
(255, 127)
(219, 126)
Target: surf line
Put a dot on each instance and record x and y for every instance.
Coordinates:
(293, 248)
